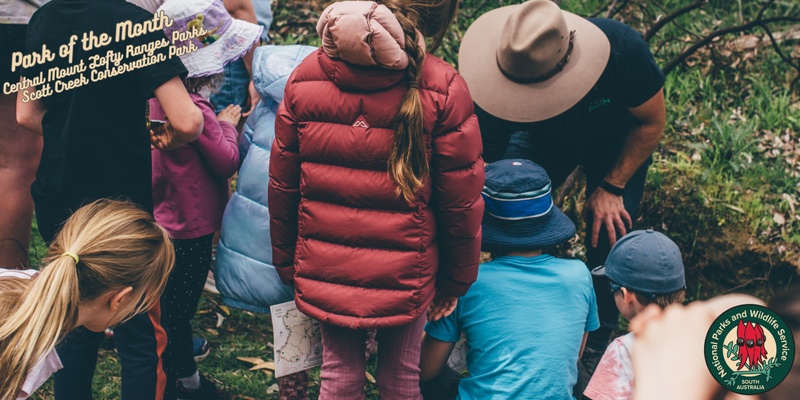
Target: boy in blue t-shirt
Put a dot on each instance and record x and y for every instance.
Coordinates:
(527, 316)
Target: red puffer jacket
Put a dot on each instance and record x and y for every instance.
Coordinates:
(359, 255)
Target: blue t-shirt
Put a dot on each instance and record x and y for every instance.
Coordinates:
(524, 319)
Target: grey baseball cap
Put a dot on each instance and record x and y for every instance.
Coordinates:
(645, 261)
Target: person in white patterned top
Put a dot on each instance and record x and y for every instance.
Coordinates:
(643, 268)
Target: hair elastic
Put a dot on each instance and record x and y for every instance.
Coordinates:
(73, 256)
(413, 84)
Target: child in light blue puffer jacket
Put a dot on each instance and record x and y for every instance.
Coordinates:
(243, 270)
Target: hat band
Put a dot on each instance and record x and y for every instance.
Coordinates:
(533, 194)
(517, 209)
(547, 75)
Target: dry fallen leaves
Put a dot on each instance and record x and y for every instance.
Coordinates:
(264, 365)
(251, 360)
(259, 364)
(273, 389)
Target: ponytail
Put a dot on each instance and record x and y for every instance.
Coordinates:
(408, 162)
(104, 246)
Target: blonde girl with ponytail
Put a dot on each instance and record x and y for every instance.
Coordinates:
(375, 188)
(108, 263)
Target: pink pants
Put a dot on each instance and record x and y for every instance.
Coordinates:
(344, 365)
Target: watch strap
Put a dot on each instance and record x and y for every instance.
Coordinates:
(613, 189)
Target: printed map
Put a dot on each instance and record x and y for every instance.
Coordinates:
(298, 345)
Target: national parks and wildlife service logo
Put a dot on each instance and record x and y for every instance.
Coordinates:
(749, 349)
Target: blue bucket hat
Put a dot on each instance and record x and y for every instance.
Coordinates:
(519, 213)
(645, 261)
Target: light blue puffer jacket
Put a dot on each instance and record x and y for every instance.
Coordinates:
(244, 272)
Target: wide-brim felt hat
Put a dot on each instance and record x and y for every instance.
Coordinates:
(532, 61)
(227, 39)
(519, 211)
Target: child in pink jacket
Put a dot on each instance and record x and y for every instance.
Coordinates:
(190, 182)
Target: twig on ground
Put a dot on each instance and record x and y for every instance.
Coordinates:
(746, 284)
(600, 10)
(764, 8)
(782, 55)
(671, 17)
(565, 187)
(686, 53)
(611, 8)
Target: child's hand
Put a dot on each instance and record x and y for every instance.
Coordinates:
(231, 114)
(442, 306)
(164, 138)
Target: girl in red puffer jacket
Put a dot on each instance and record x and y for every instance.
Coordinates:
(374, 194)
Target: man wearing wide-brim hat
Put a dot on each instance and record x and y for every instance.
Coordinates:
(564, 91)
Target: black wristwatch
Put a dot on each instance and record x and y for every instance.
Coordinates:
(613, 189)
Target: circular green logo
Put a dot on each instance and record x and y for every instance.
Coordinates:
(749, 349)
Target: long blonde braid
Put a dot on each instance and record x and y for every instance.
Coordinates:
(408, 162)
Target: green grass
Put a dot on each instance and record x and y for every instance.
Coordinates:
(725, 182)
(241, 334)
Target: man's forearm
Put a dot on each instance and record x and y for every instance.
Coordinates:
(639, 145)
(642, 140)
(248, 60)
(243, 10)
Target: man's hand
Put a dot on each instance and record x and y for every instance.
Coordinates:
(252, 99)
(642, 140)
(609, 210)
(442, 306)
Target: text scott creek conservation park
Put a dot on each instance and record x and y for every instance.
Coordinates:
(99, 66)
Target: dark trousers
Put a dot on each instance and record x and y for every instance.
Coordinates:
(180, 299)
(559, 157)
(443, 387)
(140, 343)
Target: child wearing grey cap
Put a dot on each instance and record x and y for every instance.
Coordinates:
(643, 268)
